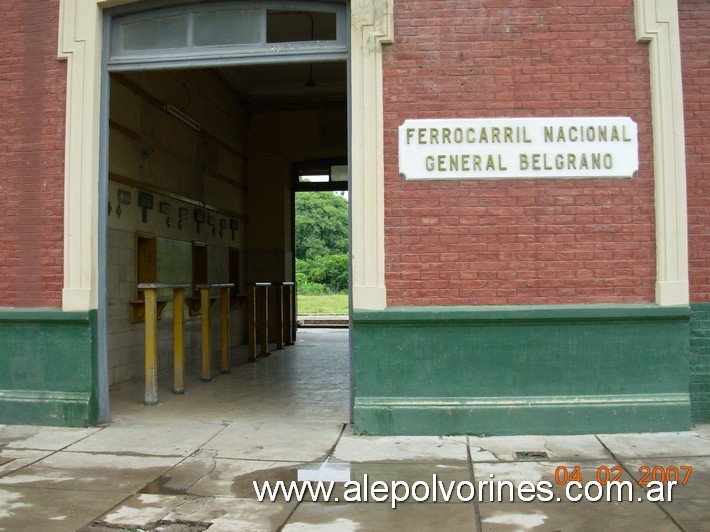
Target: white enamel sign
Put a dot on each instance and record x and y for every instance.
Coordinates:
(523, 148)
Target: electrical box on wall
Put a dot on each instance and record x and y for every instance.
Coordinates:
(200, 217)
(145, 202)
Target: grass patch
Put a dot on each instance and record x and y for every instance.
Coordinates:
(328, 305)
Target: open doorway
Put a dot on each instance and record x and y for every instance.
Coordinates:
(321, 243)
(200, 159)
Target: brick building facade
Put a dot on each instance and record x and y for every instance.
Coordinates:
(512, 242)
(33, 118)
(495, 306)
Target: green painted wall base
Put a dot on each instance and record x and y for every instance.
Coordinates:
(48, 360)
(700, 362)
(521, 370)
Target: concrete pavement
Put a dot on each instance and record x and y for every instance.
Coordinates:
(190, 463)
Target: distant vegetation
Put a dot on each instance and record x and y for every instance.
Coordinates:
(321, 243)
(330, 305)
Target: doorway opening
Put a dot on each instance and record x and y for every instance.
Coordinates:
(321, 243)
(200, 158)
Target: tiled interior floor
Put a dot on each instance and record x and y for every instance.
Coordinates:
(307, 381)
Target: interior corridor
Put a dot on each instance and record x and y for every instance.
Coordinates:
(308, 381)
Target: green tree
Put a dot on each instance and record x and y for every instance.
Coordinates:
(321, 225)
(321, 242)
(330, 271)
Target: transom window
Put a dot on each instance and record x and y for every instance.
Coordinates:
(229, 30)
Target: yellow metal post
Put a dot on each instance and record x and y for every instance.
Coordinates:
(251, 321)
(224, 303)
(178, 342)
(151, 347)
(205, 316)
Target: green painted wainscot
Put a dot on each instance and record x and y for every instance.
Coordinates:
(521, 370)
(699, 350)
(48, 360)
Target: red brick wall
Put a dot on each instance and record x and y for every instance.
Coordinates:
(517, 242)
(33, 87)
(695, 49)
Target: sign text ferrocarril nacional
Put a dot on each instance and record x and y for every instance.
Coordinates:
(523, 148)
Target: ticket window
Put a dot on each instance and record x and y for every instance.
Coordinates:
(146, 267)
(146, 261)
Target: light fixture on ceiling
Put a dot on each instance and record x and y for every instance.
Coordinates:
(177, 113)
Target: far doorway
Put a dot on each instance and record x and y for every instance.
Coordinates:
(321, 243)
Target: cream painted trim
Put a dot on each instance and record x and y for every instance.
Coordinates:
(657, 24)
(80, 45)
(80, 40)
(372, 25)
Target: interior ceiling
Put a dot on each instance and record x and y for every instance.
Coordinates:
(286, 84)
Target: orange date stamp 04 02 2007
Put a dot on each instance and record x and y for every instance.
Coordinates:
(678, 474)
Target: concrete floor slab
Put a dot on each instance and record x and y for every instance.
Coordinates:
(227, 513)
(691, 515)
(179, 479)
(691, 473)
(352, 448)
(127, 399)
(158, 439)
(42, 438)
(656, 445)
(376, 517)
(234, 478)
(574, 517)
(585, 447)
(26, 509)
(276, 439)
(14, 459)
(90, 472)
(702, 430)
(142, 510)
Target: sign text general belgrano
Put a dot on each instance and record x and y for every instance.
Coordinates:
(526, 148)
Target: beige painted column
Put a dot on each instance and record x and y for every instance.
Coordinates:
(657, 24)
(371, 27)
(80, 45)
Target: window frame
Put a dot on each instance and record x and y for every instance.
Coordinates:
(120, 58)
